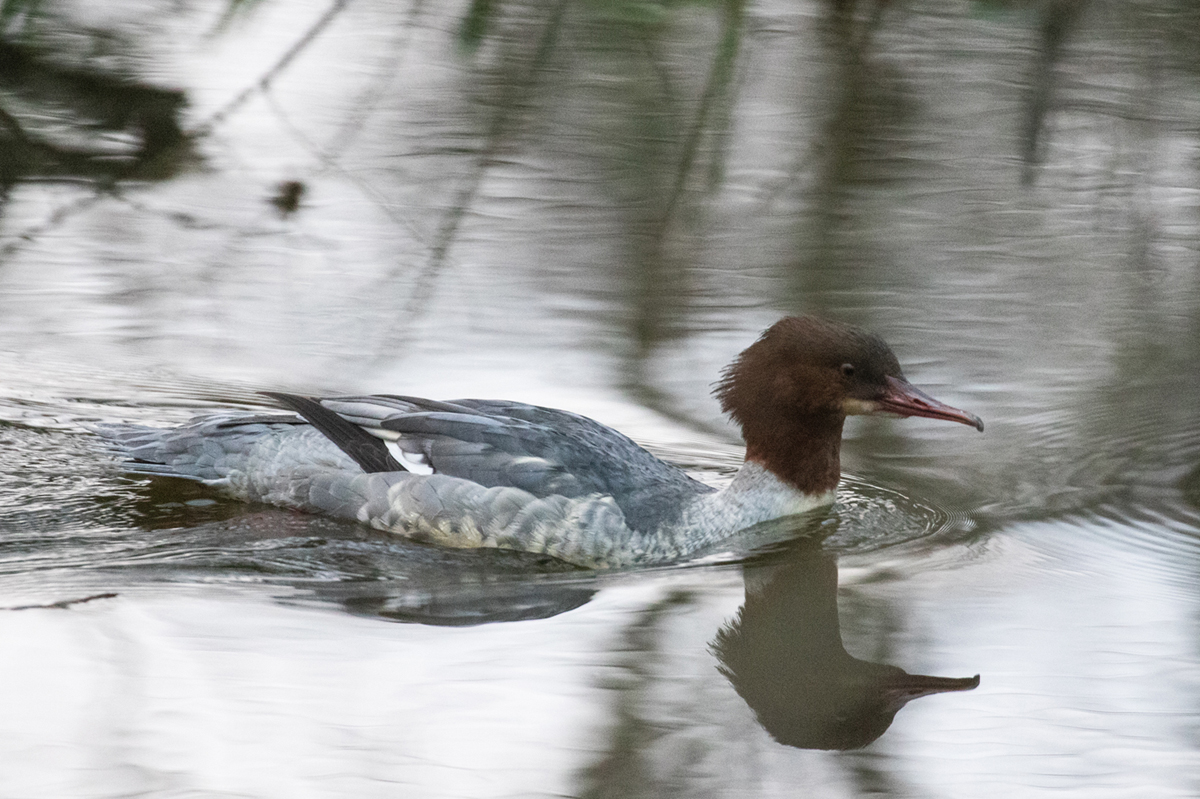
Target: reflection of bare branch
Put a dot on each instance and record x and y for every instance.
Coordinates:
(271, 74)
(853, 58)
(716, 84)
(328, 161)
(62, 604)
(62, 214)
(366, 103)
(722, 126)
(666, 85)
(497, 129)
(658, 275)
(329, 154)
(183, 220)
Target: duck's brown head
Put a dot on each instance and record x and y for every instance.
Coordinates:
(793, 388)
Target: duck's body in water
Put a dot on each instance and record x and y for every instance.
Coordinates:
(489, 473)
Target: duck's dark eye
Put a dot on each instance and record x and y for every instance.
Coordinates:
(848, 370)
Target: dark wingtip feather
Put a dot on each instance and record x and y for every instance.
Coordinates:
(367, 451)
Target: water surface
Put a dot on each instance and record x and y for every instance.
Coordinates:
(596, 205)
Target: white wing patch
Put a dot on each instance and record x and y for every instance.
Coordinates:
(415, 462)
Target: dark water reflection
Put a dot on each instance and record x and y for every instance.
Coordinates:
(595, 205)
(784, 655)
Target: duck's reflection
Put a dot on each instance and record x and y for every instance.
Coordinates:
(783, 654)
(469, 601)
(364, 571)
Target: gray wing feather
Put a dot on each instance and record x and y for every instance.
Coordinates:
(543, 451)
(209, 448)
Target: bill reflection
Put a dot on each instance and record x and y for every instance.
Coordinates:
(783, 654)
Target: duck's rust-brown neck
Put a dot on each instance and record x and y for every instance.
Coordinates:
(803, 451)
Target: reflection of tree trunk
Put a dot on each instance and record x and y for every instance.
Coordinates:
(627, 766)
(1058, 17)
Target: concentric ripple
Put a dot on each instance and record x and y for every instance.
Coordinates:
(870, 517)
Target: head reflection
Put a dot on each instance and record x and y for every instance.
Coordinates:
(783, 654)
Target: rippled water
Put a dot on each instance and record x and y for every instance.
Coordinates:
(595, 206)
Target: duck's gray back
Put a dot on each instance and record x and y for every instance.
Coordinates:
(545, 451)
(505, 475)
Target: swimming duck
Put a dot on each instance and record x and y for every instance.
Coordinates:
(491, 473)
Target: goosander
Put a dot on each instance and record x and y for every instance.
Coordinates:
(491, 473)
